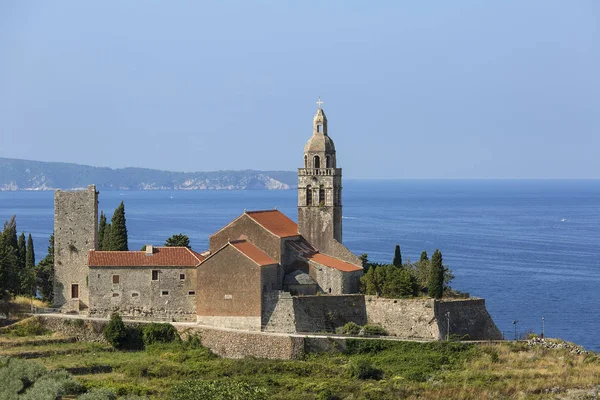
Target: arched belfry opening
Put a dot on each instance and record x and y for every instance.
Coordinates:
(316, 162)
(327, 161)
(305, 161)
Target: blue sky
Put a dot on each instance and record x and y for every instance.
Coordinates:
(461, 89)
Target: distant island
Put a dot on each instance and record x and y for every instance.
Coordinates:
(18, 174)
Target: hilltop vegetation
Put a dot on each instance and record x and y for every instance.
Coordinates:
(39, 175)
(367, 369)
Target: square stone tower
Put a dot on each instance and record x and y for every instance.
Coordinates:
(75, 232)
(320, 190)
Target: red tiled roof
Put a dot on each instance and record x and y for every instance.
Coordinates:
(253, 252)
(332, 262)
(275, 222)
(161, 257)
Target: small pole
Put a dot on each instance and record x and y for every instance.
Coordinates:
(543, 318)
(515, 324)
(448, 331)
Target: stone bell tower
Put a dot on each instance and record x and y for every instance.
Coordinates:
(320, 189)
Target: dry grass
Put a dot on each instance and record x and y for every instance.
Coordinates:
(24, 303)
(490, 371)
(516, 371)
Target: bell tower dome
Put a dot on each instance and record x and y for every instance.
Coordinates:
(320, 189)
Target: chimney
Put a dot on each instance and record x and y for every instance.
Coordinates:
(149, 250)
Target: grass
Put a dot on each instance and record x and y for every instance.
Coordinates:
(410, 370)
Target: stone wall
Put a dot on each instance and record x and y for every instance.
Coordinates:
(407, 318)
(137, 296)
(75, 231)
(237, 344)
(426, 318)
(467, 317)
(278, 312)
(223, 342)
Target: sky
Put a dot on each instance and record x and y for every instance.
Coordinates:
(440, 89)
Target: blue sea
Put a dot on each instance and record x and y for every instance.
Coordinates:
(531, 248)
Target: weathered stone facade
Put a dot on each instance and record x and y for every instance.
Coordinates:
(320, 190)
(75, 232)
(134, 294)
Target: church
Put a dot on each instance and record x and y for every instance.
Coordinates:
(258, 256)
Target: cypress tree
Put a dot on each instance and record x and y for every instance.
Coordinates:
(9, 257)
(20, 274)
(436, 276)
(28, 284)
(101, 230)
(397, 262)
(118, 230)
(106, 238)
(44, 274)
(424, 256)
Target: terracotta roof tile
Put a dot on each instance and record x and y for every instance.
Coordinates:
(275, 222)
(332, 262)
(161, 257)
(253, 252)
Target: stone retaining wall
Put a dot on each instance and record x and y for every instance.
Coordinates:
(223, 342)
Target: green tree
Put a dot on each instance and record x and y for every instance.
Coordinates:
(368, 282)
(28, 283)
(115, 332)
(179, 240)
(9, 258)
(20, 273)
(436, 276)
(364, 259)
(101, 230)
(380, 278)
(44, 274)
(106, 238)
(424, 256)
(118, 230)
(397, 262)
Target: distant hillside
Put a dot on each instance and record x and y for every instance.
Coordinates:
(39, 175)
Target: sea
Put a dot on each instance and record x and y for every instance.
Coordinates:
(531, 248)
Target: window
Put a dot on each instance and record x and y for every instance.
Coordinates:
(319, 128)
(309, 195)
(192, 293)
(115, 278)
(316, 162)
(115, 294)
(182, 276)
(164, 293)
(74, 291)
(322, 195)
(155, 275)
(305, 161)
(327, 162)
(134, 294)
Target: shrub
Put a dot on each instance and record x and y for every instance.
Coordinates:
(374, 330)
(159, 333)
(361, 346)
(216, 390)
(99, 394)
(363, 369)
(351, 328)
(28, 327)
(115, 332)
(28, 380)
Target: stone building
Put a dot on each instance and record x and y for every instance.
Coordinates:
(252, 259)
